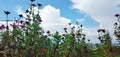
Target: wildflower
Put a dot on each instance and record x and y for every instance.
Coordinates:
(101, 30)
(13, 25)
(20, 15)
(63, 35)
(73, 35)
(27, 11)
(22, 26)
(44, 50)
(117, 15)
(21, 21)
(48, 32)
(40, 20)
(33, 5)
(6, 12)
(65, 29)
(81, 26)
(2, 27)
(39, 4)
(88, 40)
(83, 38)
(115, 23)
(32, 0)
(69, 23)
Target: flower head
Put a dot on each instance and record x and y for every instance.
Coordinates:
(44, 50)
(40, 20)
(13, 25)
(21, 21)
(22, 26)
(115, 23)
(48, 32)
(65, 29)
(32, 0)
(81, 25)
(63, 34)
(33, 5)
(69, 23)
(2, 27)
(6, 12)
(73, 34)
(117, 15)
(27, 11)
(101, 30)
(88, 40)
(39, 4)
(20, 15)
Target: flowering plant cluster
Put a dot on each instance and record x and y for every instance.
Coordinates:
(28, 39)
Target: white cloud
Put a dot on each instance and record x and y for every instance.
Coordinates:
(101, 11)
(52, 19)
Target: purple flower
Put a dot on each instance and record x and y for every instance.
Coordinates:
(81, 25)
(21, 21)
(73, 34)
(32, 0)
(40, 20)
(48, 32)
(39, 4)
(63, 35)
(69, 23)
(20, 15)
(13, 25)
(115, 23)
(83, 38)
(6, 12)
(33, 5)
(101, 30)
(2, 27)
(27, 11)
(88, 40)
(65, 29)
(117, 15)
(22, 26)
(44, 50)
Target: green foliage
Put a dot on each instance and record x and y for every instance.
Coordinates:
(28, 39)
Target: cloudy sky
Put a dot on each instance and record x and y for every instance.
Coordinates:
(56, 14)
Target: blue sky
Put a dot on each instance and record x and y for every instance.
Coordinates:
(64, 6)
(93, 14)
